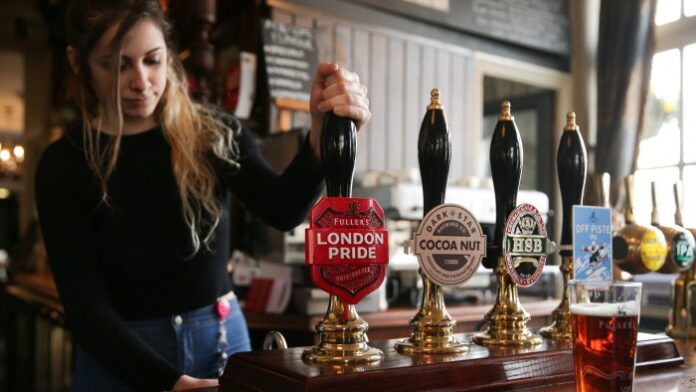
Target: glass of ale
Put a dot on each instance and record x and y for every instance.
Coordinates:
(604, 317)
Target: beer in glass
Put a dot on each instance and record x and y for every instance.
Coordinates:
(604, 317)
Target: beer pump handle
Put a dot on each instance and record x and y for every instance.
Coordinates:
(434, 154)
(338, 148)
(629, 217)
(655, 216)
(571, 162)
(506, 169)
(678, 203)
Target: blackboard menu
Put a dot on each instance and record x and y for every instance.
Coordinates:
(290, 55)
(536, 24)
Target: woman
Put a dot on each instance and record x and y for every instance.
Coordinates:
(133, 205)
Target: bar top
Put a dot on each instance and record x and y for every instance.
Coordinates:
(482, 368)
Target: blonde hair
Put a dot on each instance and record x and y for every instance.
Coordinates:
(193, 131)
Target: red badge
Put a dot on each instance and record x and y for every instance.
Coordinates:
(346, 247)
(222, 309)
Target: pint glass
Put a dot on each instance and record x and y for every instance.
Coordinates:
(604, 318)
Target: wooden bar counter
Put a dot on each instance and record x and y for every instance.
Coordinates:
(549, 365)
(545, 368)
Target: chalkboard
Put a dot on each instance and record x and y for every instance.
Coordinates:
(290, 55)
(536, 24)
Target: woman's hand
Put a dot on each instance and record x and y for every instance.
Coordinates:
(188, 382)
(339, 90)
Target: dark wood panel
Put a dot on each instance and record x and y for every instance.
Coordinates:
(481, 369)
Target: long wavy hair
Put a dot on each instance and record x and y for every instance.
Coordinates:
(193, 131)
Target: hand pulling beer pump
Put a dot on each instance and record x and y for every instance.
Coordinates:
(571, 162)
(342, 333)
(513, 262)
(432, 327)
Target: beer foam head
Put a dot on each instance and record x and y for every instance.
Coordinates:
(631, 308)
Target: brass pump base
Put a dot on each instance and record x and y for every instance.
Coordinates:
(432, 327)
(507, 321)
(431, 338)
(561, 328)
(433, 346)
(342, 338)
(680, 319)
(346, 354)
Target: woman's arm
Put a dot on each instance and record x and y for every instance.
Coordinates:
(283, 201)
(61, 190)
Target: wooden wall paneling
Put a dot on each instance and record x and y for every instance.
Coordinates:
(471, 117)
(324, 38)
(442, 82)
(428, 80)
(361, 64)
(343, 45)
(378, 132)
(415, 106)
(304, 21)
(400, 70)
(395, 104)
(442, 76)
(282, 16)
(455, 111)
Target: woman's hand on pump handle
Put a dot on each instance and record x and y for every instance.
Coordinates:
(333, 89)
(339, 90)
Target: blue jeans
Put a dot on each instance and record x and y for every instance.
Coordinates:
(188, 341)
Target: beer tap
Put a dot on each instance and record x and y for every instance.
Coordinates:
(680, 242)
(571, 162)
(603, 185)
(682, 317)
(432, 326)
(342, 332)
(507, 320)
(637, 249)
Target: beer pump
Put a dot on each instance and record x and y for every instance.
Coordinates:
(637, 249)
(513, 261)
(682, 318)
(571, 162)
(432, 327)
(680, 242)
(602, 183)
(342, 333)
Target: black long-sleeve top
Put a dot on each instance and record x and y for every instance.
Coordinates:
(129, 260)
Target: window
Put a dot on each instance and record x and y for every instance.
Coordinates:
(667, 151)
